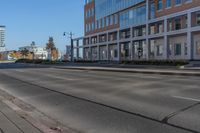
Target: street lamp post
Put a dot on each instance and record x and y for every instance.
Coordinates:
(72, 45)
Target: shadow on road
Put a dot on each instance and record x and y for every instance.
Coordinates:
(20, 66)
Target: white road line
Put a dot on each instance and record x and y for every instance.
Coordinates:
(186, 98)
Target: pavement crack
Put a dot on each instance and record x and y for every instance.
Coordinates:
(166, 119)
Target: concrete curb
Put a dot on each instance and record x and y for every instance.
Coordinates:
(180, 73)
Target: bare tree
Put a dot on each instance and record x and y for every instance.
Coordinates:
(51, 46)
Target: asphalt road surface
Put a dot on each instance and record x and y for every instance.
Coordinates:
(108, 102)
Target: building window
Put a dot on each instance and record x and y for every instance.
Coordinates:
(111, 20)
(159, 50)
(168, 3)
(178, 49)
(152, 10)
(115, 53)
(198, 18)
(116, 18)
(93, 40)
(170, 25)
(178, 24)
(152, 29)
(140, 31)
(125, 47)
(92, 12)
(86, 41)
(186, 22)
(144, 31)
(125, 34)
(103, 23)
(126, 50)
(112, 36)
(186, 48)
(152, 48)
(133, 16)
(178, 2)
(160, 28)
(107, 21)
(97, 24)
(103, 53)
(159, 5)
(92, 25)
(198, 47)
(102, 38)
(170, 49)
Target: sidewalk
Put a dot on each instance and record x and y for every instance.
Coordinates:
(161, 71)
(11, 122)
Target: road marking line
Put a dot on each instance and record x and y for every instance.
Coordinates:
(187, 98)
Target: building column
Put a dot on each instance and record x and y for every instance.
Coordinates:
(131, 44)
(90, 53)
(165, 48)
(97, 38)
(118, 47)
(78, 49)
(147, 42)
(98, 55)
(107, 49)
(83, 53)
(165, 52)
(147, 49)
(189, 38)
(147, 31)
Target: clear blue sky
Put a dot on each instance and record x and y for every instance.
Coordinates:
(36, 20)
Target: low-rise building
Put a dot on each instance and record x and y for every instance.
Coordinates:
(37, 51)
(10, 55)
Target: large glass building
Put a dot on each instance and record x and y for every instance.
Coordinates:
(128, 30)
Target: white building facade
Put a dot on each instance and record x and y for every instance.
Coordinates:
(38, 52)
(2, 38)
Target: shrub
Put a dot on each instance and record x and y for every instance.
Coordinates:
(159, 62)
(36, 61)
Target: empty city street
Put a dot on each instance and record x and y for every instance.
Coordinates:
(107, 102)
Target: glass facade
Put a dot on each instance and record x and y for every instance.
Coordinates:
(133, 17)
(104, 8)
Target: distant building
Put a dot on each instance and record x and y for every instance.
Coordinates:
(2, 38)
(38, 52)
(68, 52)
(10, 55)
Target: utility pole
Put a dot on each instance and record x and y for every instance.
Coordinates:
(72, 45)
